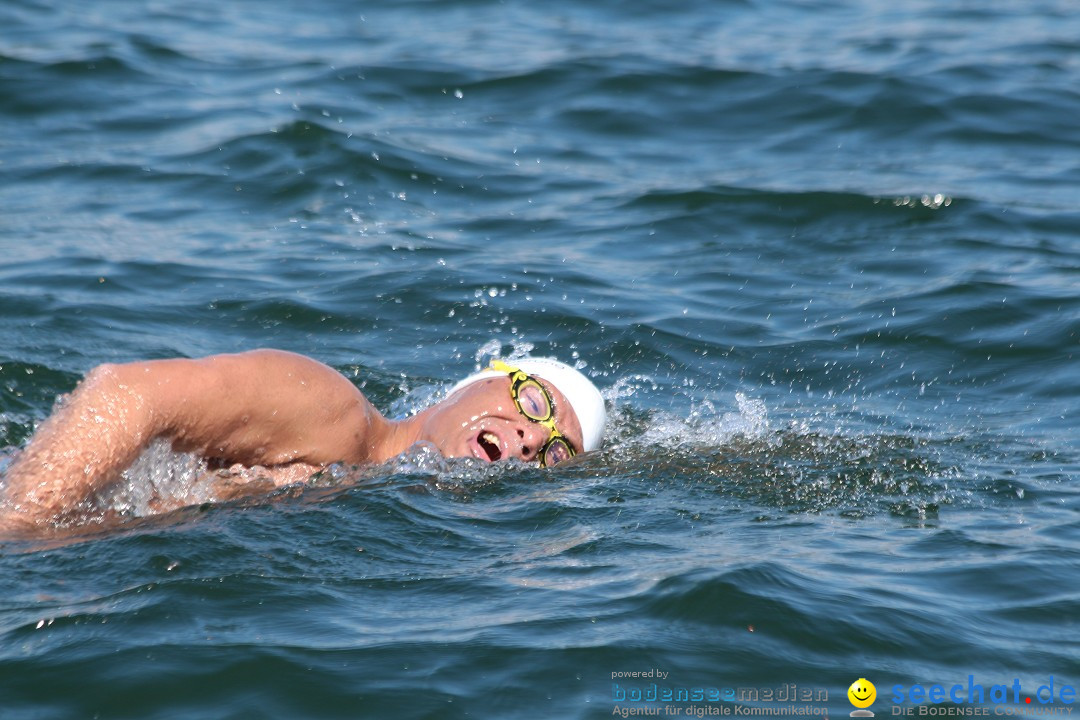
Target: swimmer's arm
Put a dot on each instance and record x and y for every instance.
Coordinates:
(264, 407)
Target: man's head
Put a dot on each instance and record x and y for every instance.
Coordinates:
(532, 409)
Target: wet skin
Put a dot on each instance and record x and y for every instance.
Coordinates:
(282, 412)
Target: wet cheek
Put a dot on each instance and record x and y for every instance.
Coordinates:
(475, 418)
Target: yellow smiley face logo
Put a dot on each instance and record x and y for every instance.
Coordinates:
(862, 693)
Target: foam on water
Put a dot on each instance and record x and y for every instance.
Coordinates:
(806, 465)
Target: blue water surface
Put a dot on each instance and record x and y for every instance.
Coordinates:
(821, 257)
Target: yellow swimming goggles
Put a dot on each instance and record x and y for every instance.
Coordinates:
(534, 402)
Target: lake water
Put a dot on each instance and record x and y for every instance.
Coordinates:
(823, 259)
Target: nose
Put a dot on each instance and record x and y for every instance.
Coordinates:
(531, 437)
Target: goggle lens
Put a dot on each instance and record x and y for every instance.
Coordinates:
(533, 401)
(557, 451)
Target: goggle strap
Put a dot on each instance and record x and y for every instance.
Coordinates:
(500, 366)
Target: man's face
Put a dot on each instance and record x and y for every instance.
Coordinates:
(481, 421)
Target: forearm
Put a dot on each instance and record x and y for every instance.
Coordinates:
(98, 432)
(266, 408)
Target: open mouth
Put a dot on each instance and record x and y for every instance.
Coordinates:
(489, 443)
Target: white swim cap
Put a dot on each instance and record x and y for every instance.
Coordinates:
(584, 398)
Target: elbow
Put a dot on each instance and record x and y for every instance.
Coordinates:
(101, 375)
(117, 391)
(106, 385)
(117, 378)
(97, 386)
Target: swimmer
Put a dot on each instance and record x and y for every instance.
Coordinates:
(289, 415)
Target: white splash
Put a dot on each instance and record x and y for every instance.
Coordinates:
(160, 479)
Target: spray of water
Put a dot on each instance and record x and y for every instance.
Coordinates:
(735, 448)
